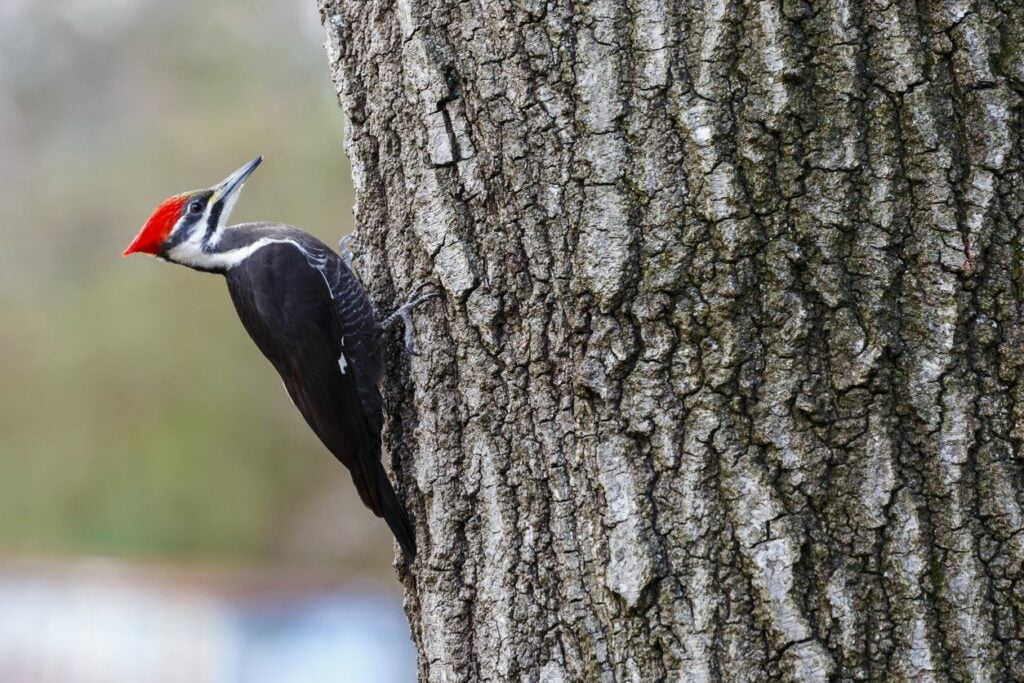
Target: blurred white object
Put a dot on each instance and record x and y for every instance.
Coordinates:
(102, 624)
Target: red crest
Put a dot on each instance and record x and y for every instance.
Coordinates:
(159, 225)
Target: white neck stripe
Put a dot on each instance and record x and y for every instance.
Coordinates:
(192, 255)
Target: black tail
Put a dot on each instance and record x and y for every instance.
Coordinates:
(376, 492)
(393, 513)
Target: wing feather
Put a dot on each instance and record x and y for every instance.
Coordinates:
(285, 304)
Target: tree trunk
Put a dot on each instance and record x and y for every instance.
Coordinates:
(727, 378)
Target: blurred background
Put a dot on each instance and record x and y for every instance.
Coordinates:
(165, 514)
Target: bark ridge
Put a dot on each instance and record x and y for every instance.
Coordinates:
(727, 380)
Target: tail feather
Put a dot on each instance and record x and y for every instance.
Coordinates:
(395, 515)
(380, 497)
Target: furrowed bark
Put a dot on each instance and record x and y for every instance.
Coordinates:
(726, 382)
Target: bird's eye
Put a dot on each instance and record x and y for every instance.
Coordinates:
(195, 207)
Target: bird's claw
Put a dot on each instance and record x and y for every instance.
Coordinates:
(345, 249)
(402, 312)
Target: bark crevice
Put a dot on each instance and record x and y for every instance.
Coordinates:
(726, 380)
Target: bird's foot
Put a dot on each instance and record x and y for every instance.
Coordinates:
(345, 249)
(416, 297)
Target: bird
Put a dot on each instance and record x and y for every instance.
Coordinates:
(306, 310)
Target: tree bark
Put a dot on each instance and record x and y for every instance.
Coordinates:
(726, 383)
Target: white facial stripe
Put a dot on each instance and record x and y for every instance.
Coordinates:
(187, 221)
(225, 213)
(342, 363)
(195, 238)
(199, 227)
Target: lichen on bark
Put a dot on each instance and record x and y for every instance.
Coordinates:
(726, 382)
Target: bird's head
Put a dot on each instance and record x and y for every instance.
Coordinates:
(187, 225)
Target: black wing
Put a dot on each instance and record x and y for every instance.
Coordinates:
(287, 307)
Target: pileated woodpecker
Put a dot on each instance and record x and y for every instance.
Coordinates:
(305, 309)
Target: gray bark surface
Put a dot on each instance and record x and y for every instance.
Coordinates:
(726, 381)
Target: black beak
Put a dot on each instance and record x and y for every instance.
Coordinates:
(234, 182)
